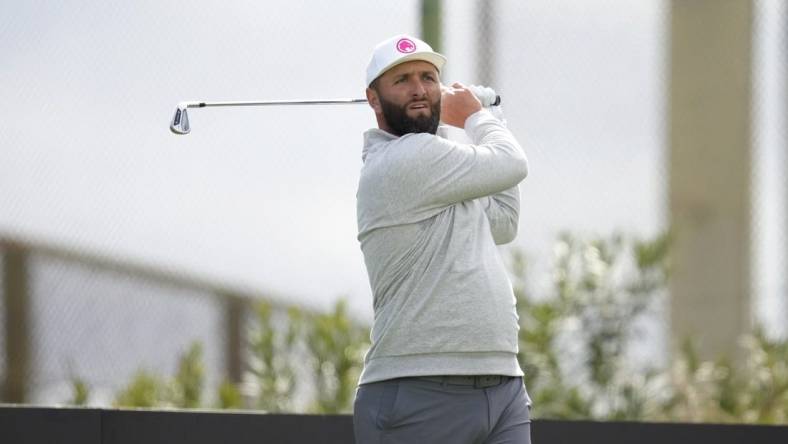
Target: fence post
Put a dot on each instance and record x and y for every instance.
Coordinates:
(17, 322)
(486, 42)
(431, 24)
(235, 306)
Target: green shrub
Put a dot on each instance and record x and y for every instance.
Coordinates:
(337, 345)
(574, 338)
(81, 392)
(147, 390)
(188, 384)
(272, 359)
(574, 341)
(229, 396)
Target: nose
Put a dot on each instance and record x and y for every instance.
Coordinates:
(419, 90)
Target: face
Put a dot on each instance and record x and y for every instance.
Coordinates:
(407, 98)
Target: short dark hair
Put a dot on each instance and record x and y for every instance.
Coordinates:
(374, 85)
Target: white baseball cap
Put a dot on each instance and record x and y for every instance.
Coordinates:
(400, 49)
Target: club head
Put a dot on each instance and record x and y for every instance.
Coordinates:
(180, 121)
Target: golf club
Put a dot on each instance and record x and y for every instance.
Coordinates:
(180, 121)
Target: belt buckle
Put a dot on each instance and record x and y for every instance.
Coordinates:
(485, 381)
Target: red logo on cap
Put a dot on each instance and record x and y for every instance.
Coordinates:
(406, 46)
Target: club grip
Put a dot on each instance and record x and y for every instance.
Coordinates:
(486, 95)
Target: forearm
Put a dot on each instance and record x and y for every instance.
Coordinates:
(488, 131)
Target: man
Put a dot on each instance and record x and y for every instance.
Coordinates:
(443, 363)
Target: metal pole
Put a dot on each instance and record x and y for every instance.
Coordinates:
(235, 307)
(432, 24)
(277, 103)
(709, 166)
(485, 43)
(17, 323)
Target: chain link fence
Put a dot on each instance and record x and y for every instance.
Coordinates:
(102, 324)
(102, 327)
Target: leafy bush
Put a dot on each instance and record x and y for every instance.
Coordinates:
(186, 388)
(144, 390)
(271, 374)
(183, 391)
(81, 392)
(337, 346)
(230, 396)
(717, 391)
(574, 341)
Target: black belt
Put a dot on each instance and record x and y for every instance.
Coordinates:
(478, 381)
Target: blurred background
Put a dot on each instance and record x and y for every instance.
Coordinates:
(221, 268)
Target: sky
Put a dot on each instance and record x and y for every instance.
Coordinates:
(265, 198)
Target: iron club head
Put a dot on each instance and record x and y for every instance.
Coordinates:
(180, 121)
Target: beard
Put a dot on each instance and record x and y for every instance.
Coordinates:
(400, 123)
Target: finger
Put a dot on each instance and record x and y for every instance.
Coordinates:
(447, 90)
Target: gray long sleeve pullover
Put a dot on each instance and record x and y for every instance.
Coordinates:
(430, 212)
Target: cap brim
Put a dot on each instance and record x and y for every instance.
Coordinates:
(432, 57)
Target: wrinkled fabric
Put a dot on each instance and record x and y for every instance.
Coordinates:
(410, 411)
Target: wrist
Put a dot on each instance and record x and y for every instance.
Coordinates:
(473, 121)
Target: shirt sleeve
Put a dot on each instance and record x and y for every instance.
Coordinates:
(433, 172)
(503, 213)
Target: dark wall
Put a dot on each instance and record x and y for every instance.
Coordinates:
(32, 425)
(588, 432)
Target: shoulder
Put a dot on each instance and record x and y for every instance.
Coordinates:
(408, 154)
(420, 145)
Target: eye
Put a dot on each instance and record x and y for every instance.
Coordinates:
(429, 77)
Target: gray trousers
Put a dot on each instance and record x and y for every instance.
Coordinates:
(417, 411)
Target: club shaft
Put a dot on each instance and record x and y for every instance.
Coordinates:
(289, 102)
(278, 103)
(180, 121)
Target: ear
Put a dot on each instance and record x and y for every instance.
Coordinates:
(374, 102)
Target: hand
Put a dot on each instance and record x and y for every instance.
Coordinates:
(457, 104)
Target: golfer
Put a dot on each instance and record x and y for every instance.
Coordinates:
(443, 366)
